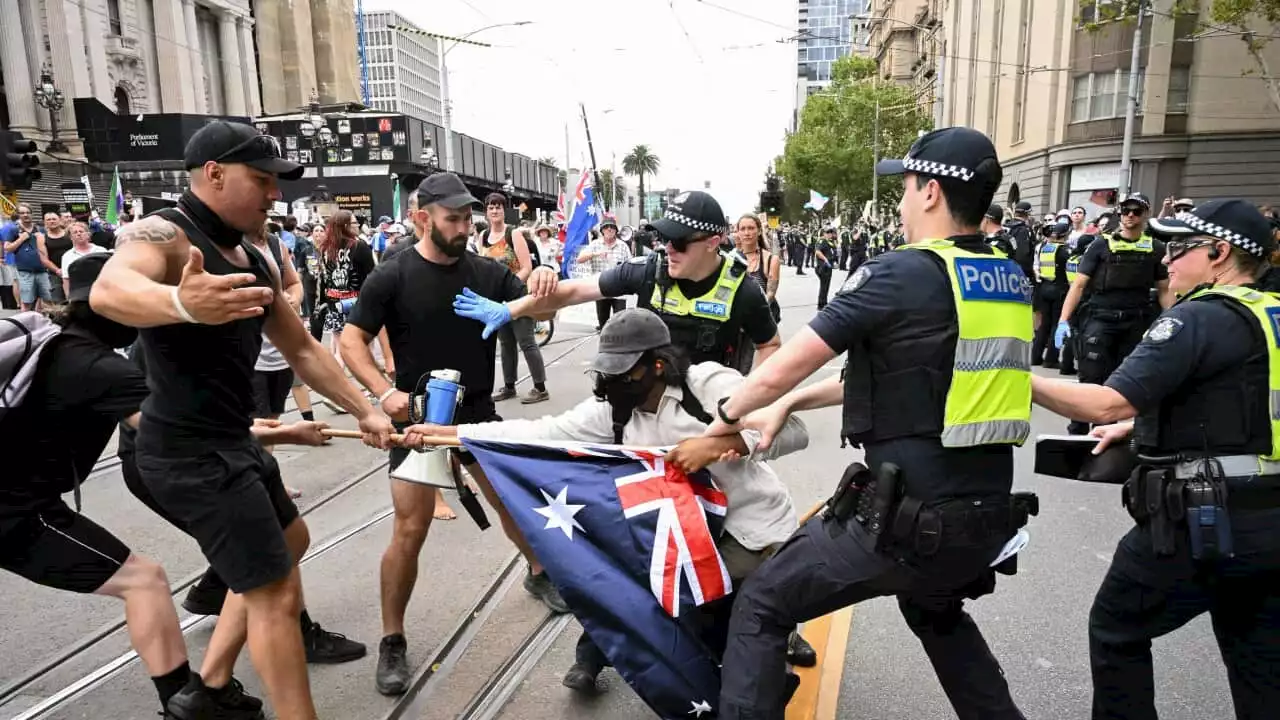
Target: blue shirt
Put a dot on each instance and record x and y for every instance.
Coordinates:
(288, 239)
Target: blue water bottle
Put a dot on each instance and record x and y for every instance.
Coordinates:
(444, 393)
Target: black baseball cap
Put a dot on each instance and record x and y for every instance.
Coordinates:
(957, 153)
(1022, 208)
(445, 189)
(691, 212)
(1234, 221)
(995, 213)
(231, 143)
(82, 274)
(625, 337)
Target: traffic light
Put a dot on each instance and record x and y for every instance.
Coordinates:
(18, 162)
(771, 202)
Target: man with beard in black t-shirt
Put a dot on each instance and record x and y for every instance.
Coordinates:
(203, 297)
(412, 297)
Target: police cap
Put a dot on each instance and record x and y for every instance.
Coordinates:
(1233, 221)
(957, 153)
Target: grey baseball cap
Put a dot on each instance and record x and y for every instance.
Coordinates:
(625, 337)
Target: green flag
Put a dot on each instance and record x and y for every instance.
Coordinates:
(115, 200)
(395, 200)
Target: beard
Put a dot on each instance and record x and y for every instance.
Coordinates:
(454, 247)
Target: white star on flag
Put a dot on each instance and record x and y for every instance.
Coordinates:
(593, 211)
(559, 512)
(699, 708)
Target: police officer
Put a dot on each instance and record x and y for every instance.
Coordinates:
(1019, 228)
(1204, 386)
(824, 253)
(1051, 263)
(1121, 273)
(944, 317)
(699, 292)
(997, 235)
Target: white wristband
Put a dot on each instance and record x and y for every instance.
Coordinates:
(383, 397)
(182, 311)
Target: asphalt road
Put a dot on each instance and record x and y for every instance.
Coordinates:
(1035, 622)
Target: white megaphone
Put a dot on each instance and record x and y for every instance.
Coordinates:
(430, 467)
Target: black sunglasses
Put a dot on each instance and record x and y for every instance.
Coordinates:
(1134, 210)
(265, 143)
(1175, 249)
(682, 244)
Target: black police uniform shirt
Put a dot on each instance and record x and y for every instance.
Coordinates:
(1192, 343)
(1097, 253)
(80, 391)
(412, 298)
(899, 311)
(828, 251)
(750, 312)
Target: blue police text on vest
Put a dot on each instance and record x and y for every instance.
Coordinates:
(711, 308)
(992, 279)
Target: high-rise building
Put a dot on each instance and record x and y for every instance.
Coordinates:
(403, 67)
(823, 35)
(1052, 94)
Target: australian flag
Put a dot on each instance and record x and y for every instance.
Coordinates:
(586, 215)
(631, 544)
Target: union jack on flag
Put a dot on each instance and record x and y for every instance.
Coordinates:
(630, 542)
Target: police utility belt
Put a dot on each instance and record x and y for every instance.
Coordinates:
(1169, 495)
(904, 527)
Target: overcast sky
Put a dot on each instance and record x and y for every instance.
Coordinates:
(708, 90)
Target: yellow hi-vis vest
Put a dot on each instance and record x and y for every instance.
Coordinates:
(1073, 268)
(714, 305)
(1049, 260)
(1118, 244)
(1265, 308)
(989, 401)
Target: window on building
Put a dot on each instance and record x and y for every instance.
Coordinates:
(1102, 96)
(113, 17)
(1098, 96)
(1102, 10)
(122, 102)
(1179, 90)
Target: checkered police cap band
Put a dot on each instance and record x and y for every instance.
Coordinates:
(714, 228)
(937, 169)
(1213, 230)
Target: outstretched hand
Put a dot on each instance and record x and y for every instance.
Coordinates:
(494, 315)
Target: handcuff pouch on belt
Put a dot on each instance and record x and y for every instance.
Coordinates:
(869, 499)
(1162, 503)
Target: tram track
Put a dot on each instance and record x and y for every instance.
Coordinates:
(448, 651)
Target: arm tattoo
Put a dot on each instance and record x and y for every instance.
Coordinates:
(156, 232)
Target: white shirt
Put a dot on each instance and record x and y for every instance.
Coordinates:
(73, 255)
(759, 509)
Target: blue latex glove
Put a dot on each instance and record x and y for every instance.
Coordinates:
(1061, 334)
(476, 307)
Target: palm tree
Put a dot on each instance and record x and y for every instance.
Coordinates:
(613, 188)
(640, 162)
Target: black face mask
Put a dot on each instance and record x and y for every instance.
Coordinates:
(455, 248)
(222, 234)
(625, 393)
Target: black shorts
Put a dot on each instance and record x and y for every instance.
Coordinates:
(50, 544)
(270, 390)
(398, 454)
(234, 504)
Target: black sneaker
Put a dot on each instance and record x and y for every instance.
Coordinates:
(198, 702)
(393, 665)
(205, 597)
(799, 652)
(330, 648)
(581, 678)
(540, 586)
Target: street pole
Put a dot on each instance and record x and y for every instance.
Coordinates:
(1131, 109)
(875, 160)
(448, 113)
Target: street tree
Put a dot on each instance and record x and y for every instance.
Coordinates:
(613, 188)
(841, 129)
(640, 162)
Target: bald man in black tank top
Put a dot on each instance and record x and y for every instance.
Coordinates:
(202, 297)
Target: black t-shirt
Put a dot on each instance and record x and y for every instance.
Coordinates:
(412, 298)
(348, 269)
(81, 389)
(1099, 252)
(750, 310)
(1209, 338)
(56, 247)
(900, 309)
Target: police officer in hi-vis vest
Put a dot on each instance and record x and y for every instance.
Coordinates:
(697, 290)
(937, 391)
(1204, 387)
(1120, 271)
(1051, 262)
